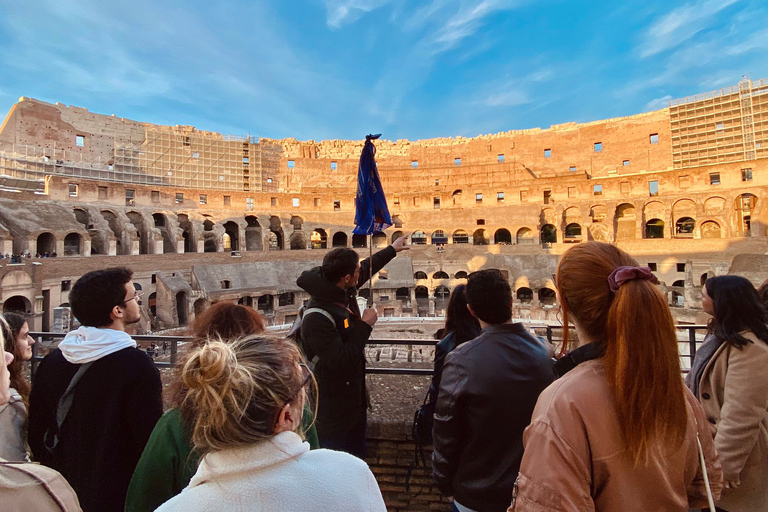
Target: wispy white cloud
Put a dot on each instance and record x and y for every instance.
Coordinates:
(344, 12)
(680, 25)
(518, 91)
(658, 103)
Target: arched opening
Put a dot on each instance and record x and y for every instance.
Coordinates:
(46, 244)
(418, 238)
(524, 236)
(524, 295)
(296, 222)
(226, 242)
(339, 239)
(186, 234)
(441, 299)
(246, 301)
(318, 239)
(72, 244)
(359, 241)
(710, 229)
(548, 234)
(654, 228)
(379, 240)
(676, 297)
(547, 296)
(422, 300)
(233, 230)
(199, 306)
(397, 221)
(275, 241)
(285, 299)
(396, 235)
(460, 275)
(208, 225)
(460, 237)
(17, 304)
(82, 217)
(419, 275)
(266, 303)
(161, 224)
(298, 241)
(625, 221)
(181, 307)
(138, 222)
(440, 275)
(573, 232)
(210, 245)
(152, 303)
(456, 197)
(403, 294)
(684, 227)
(159, 219)
(252, 234)
(745, 205)
(703, 278)
(97, 243)
(115, 227)
(502, 236)
(480, 237)
(439, 237)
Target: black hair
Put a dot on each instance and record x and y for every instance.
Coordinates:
(338, 263)
(737, 308)
(95, 294)
(490, 296)
(15, 322)
(763, 292)
(458, 319)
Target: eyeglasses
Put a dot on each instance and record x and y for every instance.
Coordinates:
(136, 296)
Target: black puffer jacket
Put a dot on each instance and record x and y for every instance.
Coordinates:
(339, 348)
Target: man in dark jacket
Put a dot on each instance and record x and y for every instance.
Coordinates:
(334, 334)
(487, 394)
(115, 403)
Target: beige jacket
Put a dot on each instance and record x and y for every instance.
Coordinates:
(575, 458)
(26, 486)
(734, 393)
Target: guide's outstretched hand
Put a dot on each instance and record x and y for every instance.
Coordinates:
(370, 315)
(399, 244)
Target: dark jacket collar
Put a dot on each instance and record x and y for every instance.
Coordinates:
(505, 328)
(314, 282)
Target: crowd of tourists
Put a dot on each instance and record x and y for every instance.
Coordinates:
(258, 422)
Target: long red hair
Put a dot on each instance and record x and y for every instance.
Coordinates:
(642, 364)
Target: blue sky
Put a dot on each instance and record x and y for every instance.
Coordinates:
(327, 69)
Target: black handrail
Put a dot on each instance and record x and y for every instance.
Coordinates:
(173, 342)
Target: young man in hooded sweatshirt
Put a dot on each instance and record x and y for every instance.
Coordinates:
(115, 403)
(335, 339)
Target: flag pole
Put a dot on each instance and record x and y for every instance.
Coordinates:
(370, 270)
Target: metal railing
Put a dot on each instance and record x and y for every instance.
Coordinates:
(688, 341)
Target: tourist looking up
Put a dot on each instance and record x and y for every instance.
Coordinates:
(729, 377)
(115, 395)
(247, 397)
(13, 415)
(487, 393)
(333, 335)
(25, 485)
(618, 430)
(169, 460)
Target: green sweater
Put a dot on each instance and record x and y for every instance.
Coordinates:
(169, 461)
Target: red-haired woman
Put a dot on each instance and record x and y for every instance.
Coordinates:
(169, 461)
(619, 430)
(13, 415)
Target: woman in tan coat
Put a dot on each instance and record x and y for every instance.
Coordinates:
(618, 430)
(730, 378)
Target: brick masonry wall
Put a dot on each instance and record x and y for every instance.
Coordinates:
(390, 454)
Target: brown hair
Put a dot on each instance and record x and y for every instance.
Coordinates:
(12, 328)
(237, 390)
(223, 321)
(226, 320)
(635, 326)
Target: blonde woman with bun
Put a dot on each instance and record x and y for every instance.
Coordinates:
(247, 399)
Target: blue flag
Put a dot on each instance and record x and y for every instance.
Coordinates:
(371, 212)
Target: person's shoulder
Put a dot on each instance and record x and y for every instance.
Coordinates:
(336, 461)
(583, 386)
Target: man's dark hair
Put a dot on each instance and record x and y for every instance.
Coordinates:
(490, 296)
(338, 263)
(95, 294)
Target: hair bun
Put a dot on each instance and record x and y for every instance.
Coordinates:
(210, 366)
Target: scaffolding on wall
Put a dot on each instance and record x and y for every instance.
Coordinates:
(166, 156)
(729, 125)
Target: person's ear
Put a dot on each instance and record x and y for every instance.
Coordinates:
(288, 420)
(117, 312)
(471, 311)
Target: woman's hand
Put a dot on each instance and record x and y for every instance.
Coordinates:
(731, 484)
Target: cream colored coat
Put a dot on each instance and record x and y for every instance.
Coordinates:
(576, 460)
(734, 393)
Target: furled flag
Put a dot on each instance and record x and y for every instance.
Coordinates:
(371, 212)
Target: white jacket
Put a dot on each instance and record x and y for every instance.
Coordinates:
(279, 474)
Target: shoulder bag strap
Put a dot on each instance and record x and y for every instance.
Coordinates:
(704, 470)
(65, 403)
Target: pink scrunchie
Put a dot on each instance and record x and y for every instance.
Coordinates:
(623, 274)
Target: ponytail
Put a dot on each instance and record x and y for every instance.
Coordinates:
(641, 359)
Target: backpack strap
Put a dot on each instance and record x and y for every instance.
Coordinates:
(327, 315)
(62, 409)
